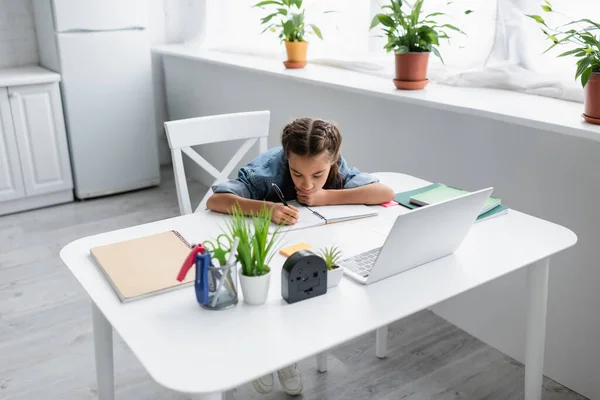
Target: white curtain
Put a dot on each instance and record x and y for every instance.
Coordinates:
(502, 47)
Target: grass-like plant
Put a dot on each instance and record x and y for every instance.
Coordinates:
(582, 33)
(256, 245)
(331, 256)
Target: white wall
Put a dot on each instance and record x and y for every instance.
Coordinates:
(548, 175)
(170, 21)
(18, 44)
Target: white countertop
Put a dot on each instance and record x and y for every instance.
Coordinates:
(503, 105)
(27, 75)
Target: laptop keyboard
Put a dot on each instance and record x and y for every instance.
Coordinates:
(361, 264)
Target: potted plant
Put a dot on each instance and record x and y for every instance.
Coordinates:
(292, 28)
(331, 256)
(254, 251)
(412, 37)
(581, 35)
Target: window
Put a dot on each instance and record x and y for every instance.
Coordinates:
(500, 40)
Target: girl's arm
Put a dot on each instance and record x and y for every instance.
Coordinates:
(223, 202)
(374, 193)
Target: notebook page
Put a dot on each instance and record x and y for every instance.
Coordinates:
(306, 219)
(344, 212)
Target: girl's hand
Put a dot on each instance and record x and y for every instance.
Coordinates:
(284, 215)
(318, 198)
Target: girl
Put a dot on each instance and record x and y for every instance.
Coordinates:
(307, 167)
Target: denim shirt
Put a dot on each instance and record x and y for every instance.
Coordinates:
(254, 180)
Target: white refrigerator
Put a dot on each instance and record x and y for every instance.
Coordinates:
(101, 49)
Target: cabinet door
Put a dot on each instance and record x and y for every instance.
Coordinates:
(41, 138)
(11, 180)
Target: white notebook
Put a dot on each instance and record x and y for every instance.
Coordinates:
(322, 215)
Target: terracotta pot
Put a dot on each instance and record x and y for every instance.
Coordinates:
(592, 99)
(411, 66)
(411, 70)
(296, 52)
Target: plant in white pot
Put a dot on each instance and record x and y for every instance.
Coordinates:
(331, 256)
(412, 37)
(288, 17)
(582, 35)
(254, 252)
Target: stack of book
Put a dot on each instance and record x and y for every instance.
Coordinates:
(438, 192)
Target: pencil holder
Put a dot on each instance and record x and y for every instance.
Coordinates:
(216, 287)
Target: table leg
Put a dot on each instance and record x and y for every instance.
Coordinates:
(537, 281)
(381, 341)
(322, 362)
(103, 348)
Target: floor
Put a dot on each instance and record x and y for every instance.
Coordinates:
(46, 344)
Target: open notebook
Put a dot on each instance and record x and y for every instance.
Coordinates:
(144, 266)
(322, 215)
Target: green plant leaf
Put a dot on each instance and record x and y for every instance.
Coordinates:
(288, 29)
(547, 8)
(317, 31)
(401, 50)
(589, 39)
(589, 21)
(550, 48)
(287, 2)
(585, 76)
(386, 20)
(582, 65)
(435, 14)
(537, 18)
(298, 3)
(568, 53)
(435, 51)
(267, 28)
(416, 12)
(467, 12)
(268, 18)
(454, 28)
(283, 11)
(267, 2)
(374, 21)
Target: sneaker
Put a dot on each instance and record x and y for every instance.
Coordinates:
(264, 384)
(291, 380)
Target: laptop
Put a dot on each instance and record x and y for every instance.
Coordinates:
(418, 237)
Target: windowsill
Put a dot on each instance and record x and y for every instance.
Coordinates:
(503, 105)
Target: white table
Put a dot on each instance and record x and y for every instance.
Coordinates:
(187, 349)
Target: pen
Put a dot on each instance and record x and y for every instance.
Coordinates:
(279, 194)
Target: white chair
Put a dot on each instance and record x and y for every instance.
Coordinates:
(184, 133)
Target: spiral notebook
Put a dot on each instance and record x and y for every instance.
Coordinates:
(322, 215)
(144, 266)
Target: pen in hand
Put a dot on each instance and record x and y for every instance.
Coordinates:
(279, 194)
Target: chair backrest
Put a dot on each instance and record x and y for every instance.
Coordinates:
(184, 133)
